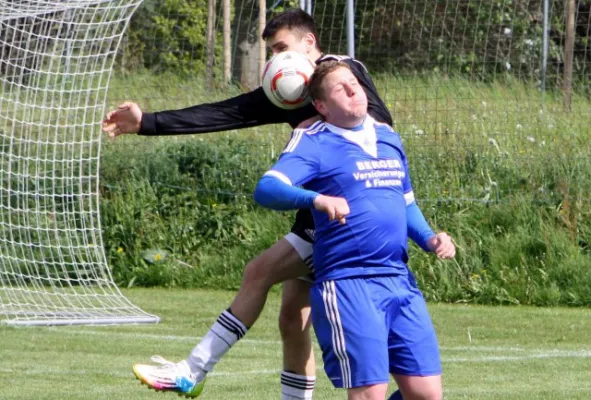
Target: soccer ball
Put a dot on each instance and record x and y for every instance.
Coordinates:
(285, 79)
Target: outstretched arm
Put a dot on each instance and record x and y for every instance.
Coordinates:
(243, 111)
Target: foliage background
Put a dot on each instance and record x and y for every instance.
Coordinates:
(495, 161)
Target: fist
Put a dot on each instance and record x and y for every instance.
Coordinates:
(442, 245)
(336, 207)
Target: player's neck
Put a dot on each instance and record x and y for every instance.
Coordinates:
(349, 123)
(314, 55)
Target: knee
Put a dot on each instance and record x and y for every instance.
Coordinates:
(426, 394)
(256, 274)
(419, 388)
(292, 322)
(436, 395)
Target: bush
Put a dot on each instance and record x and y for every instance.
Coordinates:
(167, 35)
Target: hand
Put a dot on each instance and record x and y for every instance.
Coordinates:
(442, 245)
(336, 207)
(126, 118)
(308, 122)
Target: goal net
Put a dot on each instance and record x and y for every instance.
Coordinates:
(56, 59)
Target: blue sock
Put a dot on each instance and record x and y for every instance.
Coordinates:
(396, 396)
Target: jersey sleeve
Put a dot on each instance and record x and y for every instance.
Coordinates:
(275, 194)
(243, 111)
(300, 161)
(409, 195)
(419, 229)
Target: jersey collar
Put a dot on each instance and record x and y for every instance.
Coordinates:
(365, 138)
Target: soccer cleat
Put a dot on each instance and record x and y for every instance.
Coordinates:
(169, 376)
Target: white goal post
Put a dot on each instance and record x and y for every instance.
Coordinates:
(56, 59)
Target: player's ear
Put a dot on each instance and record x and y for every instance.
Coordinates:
(310, 41)
(320, 107)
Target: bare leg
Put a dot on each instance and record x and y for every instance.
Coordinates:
(299, 369)
(294, 325)
(278, 263)
(372, 392)
(420, 387)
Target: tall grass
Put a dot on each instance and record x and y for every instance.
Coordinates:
(500, 166)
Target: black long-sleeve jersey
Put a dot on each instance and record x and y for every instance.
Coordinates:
(252, 109)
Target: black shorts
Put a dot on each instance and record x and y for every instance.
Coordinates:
(304, 225)
(301, 238)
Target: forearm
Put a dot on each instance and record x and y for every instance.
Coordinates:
(243, 111)
(418, 228)
(198, 119)
(271, 192)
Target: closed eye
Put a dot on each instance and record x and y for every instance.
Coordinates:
(278, 48)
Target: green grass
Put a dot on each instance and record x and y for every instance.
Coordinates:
(488, 353)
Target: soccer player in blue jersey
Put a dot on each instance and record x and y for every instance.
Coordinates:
(369, 316)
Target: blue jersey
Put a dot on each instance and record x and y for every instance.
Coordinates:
(368, 167)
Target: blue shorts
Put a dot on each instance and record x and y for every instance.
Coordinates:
(369, 328)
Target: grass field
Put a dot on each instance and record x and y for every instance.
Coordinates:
(487, 353)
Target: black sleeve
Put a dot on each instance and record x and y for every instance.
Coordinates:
(243, 111)
(375, 106)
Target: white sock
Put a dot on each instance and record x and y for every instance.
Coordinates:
(226, 331)
(296, 387)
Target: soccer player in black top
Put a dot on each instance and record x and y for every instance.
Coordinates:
(285, 261)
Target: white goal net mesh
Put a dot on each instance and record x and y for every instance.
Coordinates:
(56, 59)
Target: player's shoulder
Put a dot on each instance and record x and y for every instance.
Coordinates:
(349, 60)
(383, 127)
(388, 132)
(305, 136)
(379, 126)
(312, 130)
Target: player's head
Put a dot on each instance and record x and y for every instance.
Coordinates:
(292, 30)
(337, 94)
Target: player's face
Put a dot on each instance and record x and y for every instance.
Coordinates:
(344, 102)
(289, 40)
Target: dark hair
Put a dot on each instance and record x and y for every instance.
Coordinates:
(321, 71)
(294, 19)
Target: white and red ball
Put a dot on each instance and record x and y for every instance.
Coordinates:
(285, 79)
